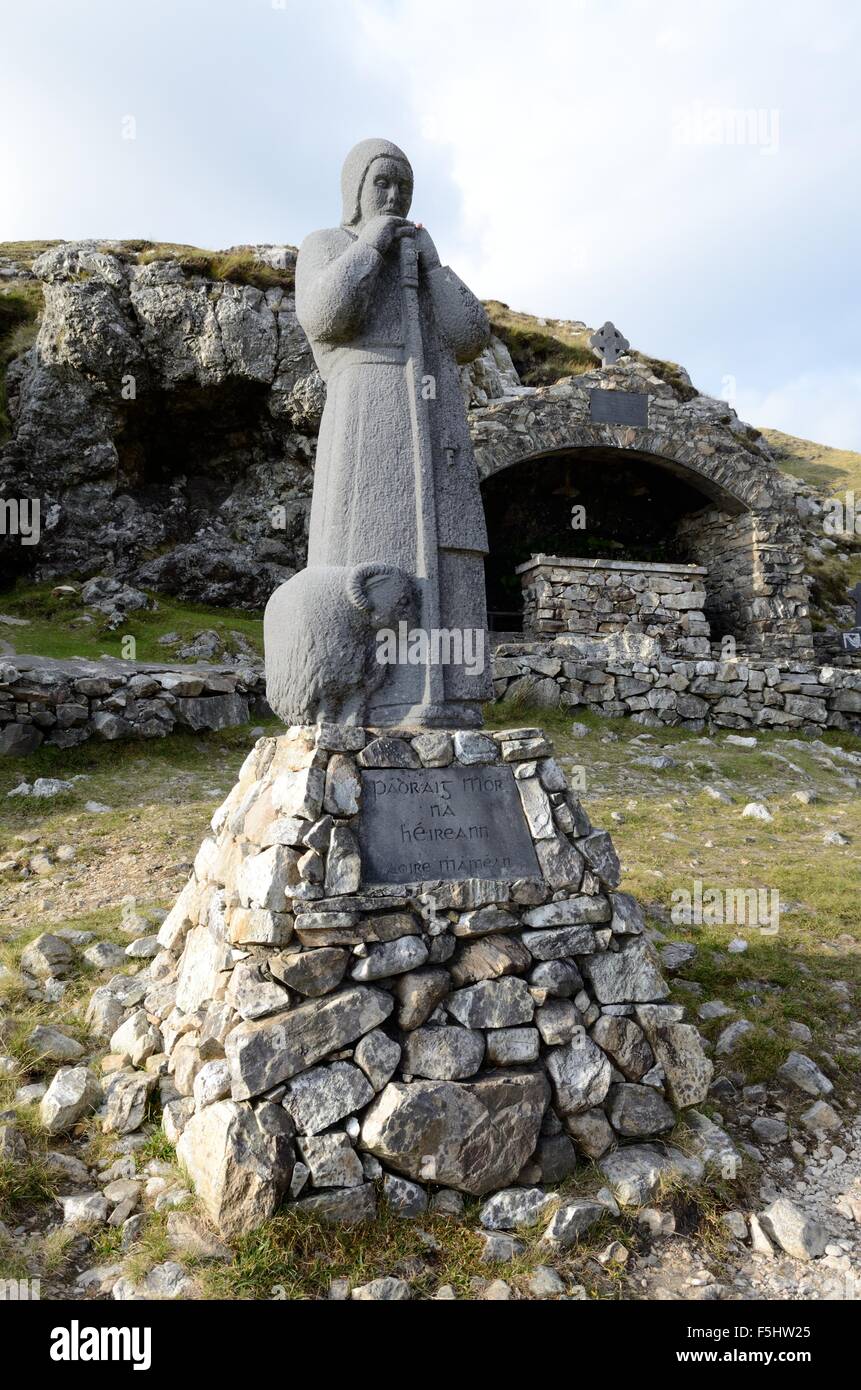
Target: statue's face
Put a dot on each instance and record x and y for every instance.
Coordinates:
(387, 190)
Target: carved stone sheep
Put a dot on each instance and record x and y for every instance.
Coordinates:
(319, 633)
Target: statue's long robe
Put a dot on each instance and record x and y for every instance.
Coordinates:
(350, 303)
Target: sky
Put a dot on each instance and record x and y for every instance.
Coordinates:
(690, 169)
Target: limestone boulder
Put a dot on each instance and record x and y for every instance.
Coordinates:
(72, 1094)
(627, 976)
(240, 1161)
(263, 1054)
(678, 1048)
(472, 1136)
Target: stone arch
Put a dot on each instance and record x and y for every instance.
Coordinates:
(746, 533)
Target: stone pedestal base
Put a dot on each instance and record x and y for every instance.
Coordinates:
(464, 1031)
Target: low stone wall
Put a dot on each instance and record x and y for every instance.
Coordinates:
(64, 703)
(622, 676)
(612, 596)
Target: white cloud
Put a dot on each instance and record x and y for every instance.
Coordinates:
(543, 140)
(821, 405)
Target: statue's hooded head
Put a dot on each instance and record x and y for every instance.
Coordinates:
(391, 190)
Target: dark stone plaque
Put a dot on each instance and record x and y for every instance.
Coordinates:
(619, 407)
(443, 823)
(851, 641)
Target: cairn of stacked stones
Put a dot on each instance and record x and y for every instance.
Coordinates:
(324, 1038)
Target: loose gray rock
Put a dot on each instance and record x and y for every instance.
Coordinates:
(386, 1290)
(514, 1207)
(634, 1173)
(546, 1282)
(731, 1036)
(73, 1093)
(85, 1209)
(189, 1234)
(48, 957)
(570, 1222)
(802, 1072)
(499, 1249)
(769, 1131)
(821, 1118)
(800, 1236)
(105, 955)
(54, 1045)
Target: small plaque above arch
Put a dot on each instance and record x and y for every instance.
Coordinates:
(618, 407)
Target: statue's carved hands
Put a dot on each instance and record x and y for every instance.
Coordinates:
(428, 254)
(381, 231)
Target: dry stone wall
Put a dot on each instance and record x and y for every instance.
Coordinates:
(64, 703)
(629, 675)
(594, 597)
(320, 1040)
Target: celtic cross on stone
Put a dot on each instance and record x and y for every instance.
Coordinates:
(608, 344)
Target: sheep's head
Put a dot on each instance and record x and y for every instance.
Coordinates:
(382, 591)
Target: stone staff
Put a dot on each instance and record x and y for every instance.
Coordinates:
(427, 559)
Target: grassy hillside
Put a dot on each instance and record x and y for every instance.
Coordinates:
(57, 626)
(828, 470)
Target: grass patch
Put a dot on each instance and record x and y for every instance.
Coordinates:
(55, 628)
(19, 321)
(24, 1185)
(672, 374)
(238, 267)
(542, 353)
(832, 581)
(830, 471)
(25, 252)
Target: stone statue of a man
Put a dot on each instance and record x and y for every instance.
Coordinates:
(395, 479)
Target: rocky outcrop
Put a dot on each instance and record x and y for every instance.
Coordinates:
(167, 423)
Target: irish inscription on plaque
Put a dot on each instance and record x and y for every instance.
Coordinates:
(443, 823)
(619, 407)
